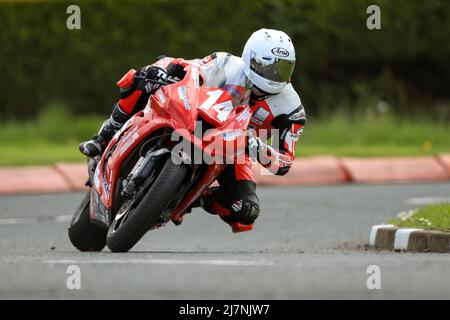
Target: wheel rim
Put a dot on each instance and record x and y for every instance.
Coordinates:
(127, 208)
(122, 215)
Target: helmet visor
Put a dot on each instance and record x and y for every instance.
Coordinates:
(271, 68)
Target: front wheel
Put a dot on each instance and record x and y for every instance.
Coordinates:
(133, 220)
(84, 235)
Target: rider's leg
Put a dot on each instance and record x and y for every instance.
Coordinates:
(235, 200)
(133, 97)
(135, 89)
(97, 144)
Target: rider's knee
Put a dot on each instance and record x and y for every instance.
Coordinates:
(246, 210)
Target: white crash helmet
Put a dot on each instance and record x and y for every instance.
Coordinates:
(269, 58)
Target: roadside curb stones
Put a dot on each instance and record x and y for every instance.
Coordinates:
(390, 237)
(318, 170)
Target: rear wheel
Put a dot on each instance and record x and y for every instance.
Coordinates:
(84, 235)
(138, 214)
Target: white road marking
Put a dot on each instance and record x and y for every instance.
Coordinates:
(402, 238)
(374, 230)
(427, 200)
(62, 218)
(167, 262)
(11, 221)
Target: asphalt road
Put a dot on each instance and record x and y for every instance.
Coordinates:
(308, 243)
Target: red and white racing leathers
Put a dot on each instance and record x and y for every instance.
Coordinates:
(280, 117)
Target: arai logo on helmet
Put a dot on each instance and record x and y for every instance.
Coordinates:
(280, 52)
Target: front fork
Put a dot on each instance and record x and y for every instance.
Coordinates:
(144, 166)
(141, 171)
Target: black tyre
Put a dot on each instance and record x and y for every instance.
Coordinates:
(133, 221)
(84, 235)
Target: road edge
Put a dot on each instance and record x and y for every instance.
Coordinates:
(394, 238)
(317, 170)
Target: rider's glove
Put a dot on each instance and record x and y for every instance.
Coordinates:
(154, 78)
(283, 164)
(254, 146)
(267, 156)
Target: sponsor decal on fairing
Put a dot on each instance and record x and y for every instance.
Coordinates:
(129, 140)
(244, 115)
(161, 97)
(183, 96)
(232, 135)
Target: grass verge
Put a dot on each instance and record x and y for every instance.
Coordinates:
(54, 136)
(433, 217)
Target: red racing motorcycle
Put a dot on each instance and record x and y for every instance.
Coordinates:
(151, 171)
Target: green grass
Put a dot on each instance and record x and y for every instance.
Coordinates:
(54, 136)
(434, 217)
(40, 154)
(371, 134)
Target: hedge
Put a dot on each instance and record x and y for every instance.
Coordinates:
(340, 62)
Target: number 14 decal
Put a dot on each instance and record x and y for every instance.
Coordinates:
(223, 109)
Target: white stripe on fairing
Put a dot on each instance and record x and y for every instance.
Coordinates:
(427, 200)
(168, 262)
(402, 238)
(374, 230)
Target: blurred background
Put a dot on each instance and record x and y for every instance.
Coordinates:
(366, 92)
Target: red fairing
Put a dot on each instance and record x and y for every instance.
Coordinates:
(134, 132)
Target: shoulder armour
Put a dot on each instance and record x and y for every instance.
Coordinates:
(286, 108)
(284, 102)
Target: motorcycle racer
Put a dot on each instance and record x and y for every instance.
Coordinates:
(268, 60)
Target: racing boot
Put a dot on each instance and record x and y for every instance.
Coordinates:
(98, 143)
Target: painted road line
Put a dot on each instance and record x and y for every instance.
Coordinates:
(62, 218)
(13, 221)
(167, 262)
(9, 221)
